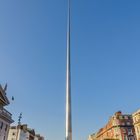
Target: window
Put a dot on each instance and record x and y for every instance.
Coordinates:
(13, 134)
(130, 132)
(123, 123)
(124, 130)
(1, 125)
(131, 138)
(125, 137)
(128, 123)
(6, 128)
(126, 117)
(120, 117)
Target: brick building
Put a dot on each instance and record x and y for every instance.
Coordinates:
(92, 136)
(136, 122)
(120, 126)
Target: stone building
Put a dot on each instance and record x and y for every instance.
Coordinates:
(18, 132)
(38, 137)
(22, 132)
(119, 127)
(5, 116)
(136, 122)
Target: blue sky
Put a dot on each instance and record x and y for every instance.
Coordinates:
(105, 62)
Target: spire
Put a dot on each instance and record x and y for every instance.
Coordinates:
(68, 83)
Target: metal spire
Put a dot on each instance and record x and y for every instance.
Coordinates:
(19, 119)
(68, 83)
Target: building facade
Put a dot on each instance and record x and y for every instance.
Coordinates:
(136, 122)
(119, 127)
(5, 116)
(22, 132)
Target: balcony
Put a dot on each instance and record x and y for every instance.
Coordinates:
(7, 115)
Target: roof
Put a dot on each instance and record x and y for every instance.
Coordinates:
(3, 98)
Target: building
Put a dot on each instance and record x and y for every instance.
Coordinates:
(18, 133)
(22, 132)
(136, 122)
(5, 116)
(38, 137)
(92, 136)
(119, 127)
